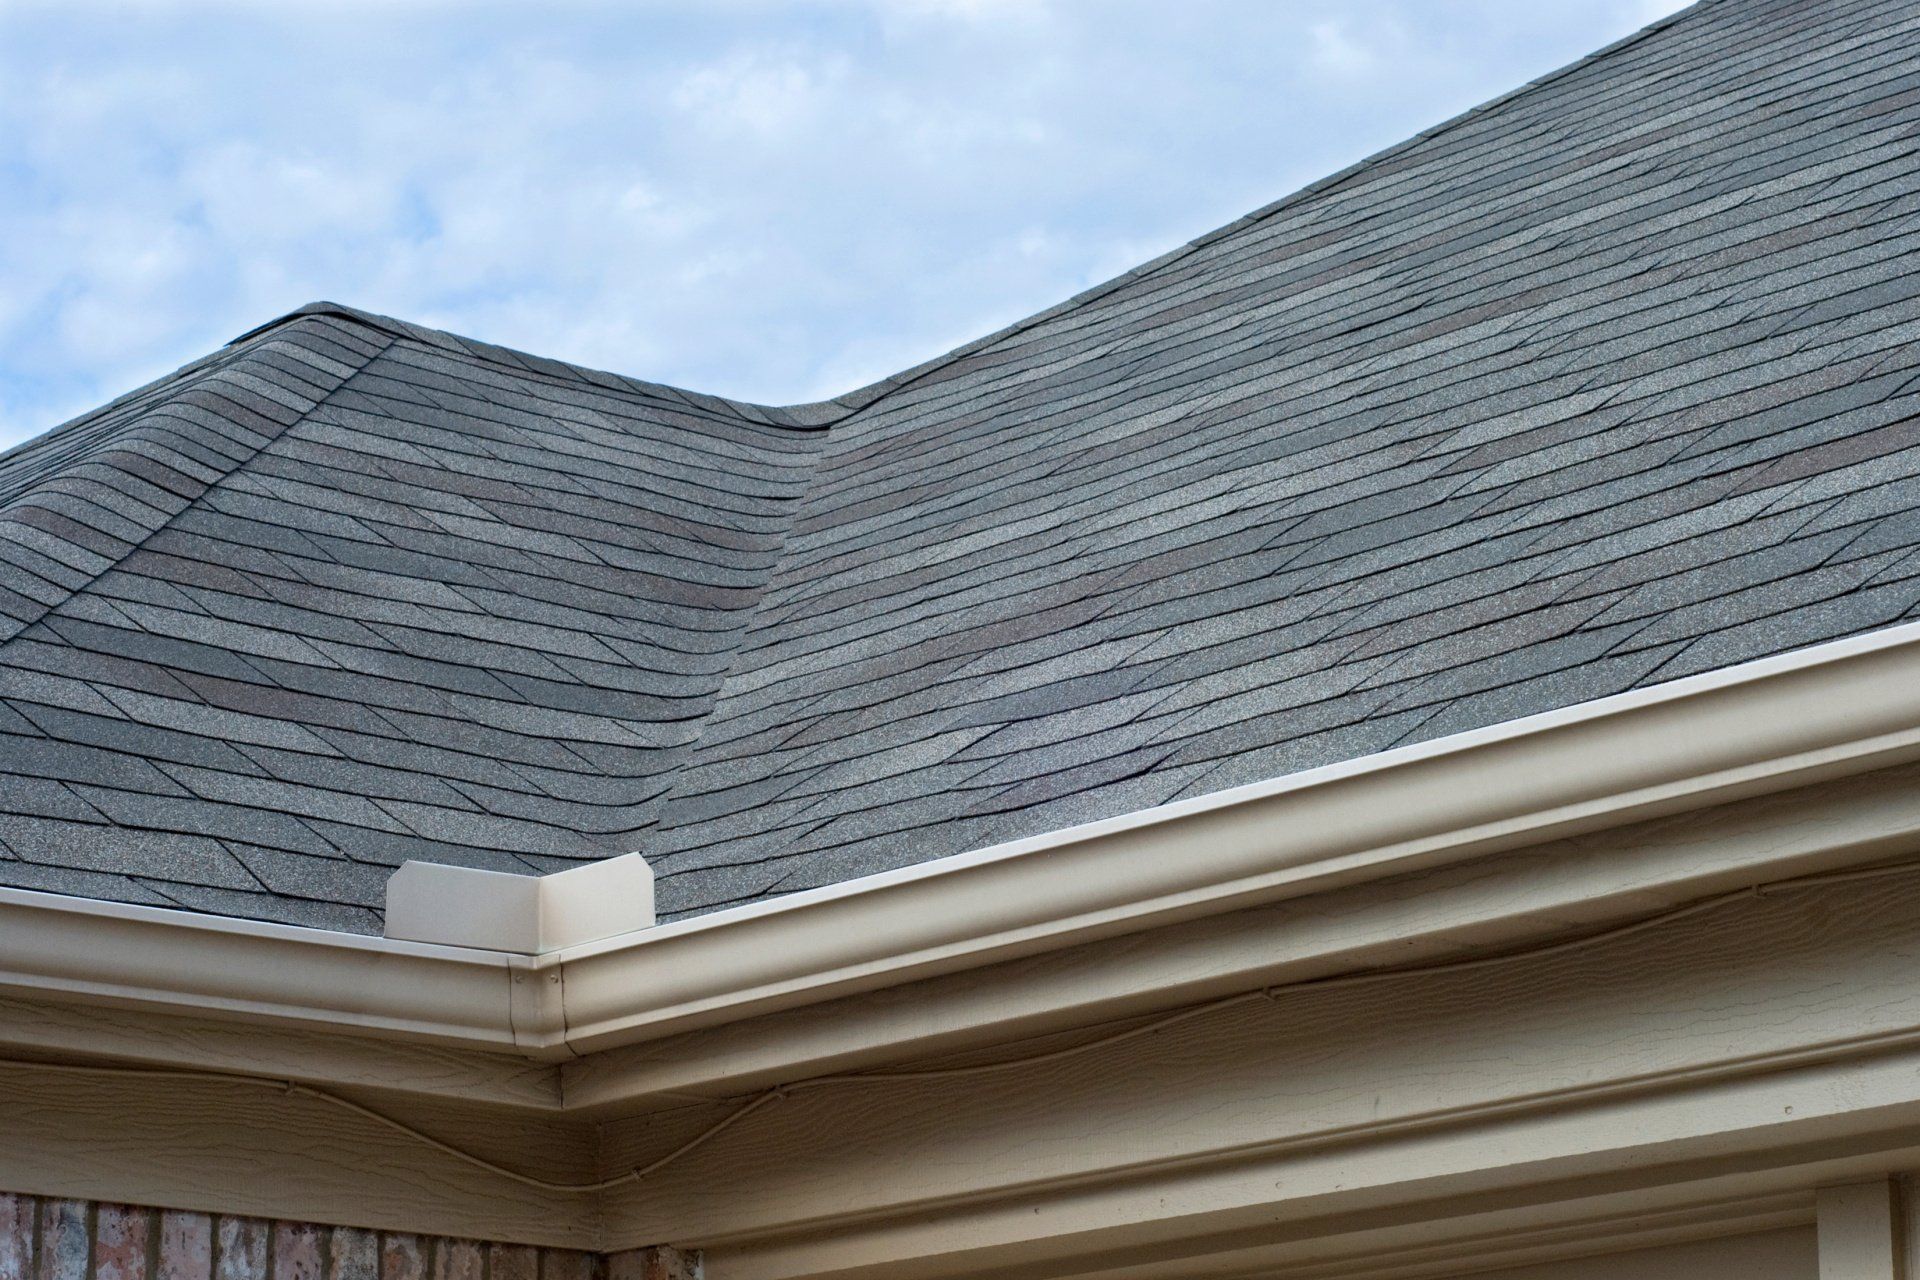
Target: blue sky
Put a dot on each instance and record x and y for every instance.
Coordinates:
(778, 201)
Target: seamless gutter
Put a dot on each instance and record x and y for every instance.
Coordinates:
(1819, 713)
(163, 959)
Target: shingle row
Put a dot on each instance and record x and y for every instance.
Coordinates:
(1608, 382)
(443, 606)
(1593, 388)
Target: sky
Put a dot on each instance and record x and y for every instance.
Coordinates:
(774, 201)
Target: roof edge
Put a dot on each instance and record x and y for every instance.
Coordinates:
(1815, 714)
(169, 960)
(857, 400)
(527, 362)
(814, 415)
(1827, 712)
(140, 433)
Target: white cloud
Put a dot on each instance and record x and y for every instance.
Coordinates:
(771, 200)
(1335, 50)
(761, 91)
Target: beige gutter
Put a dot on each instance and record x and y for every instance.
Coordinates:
(154, 958)
(1819, 713)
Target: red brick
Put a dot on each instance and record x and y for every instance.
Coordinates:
(63, 1240)
(458, 1260)
(512, 1262)
(296, 1251)
(242, 1249)
(353, 1254)
(76, 1240)
(16, 1237)
(653, 1264)
(120, 1235)
(186, 1246)
(403, 1257)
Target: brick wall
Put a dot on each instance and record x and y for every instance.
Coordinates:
(46, 1239)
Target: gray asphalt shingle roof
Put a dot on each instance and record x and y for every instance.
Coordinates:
(1607, 382)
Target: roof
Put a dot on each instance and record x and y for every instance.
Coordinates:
(1607, 382)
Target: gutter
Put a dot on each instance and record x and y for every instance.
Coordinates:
(175, 961)
(1836, 709)
(1812, 715)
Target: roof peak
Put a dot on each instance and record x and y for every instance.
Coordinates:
(816, 414)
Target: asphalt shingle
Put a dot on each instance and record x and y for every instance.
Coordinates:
(1609, 381)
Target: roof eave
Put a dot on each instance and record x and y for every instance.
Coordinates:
(1816, 714)
(1836, 709)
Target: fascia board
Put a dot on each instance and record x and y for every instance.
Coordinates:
(1536, 894)
(1818, 713)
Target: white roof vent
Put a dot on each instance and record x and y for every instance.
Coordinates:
(528, 915)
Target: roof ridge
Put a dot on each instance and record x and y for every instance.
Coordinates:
(814, 415)
(862, 398)
(56, 541)
(524, 361)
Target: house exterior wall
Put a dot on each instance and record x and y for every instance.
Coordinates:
(42, 1238)
(1788, 1254)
